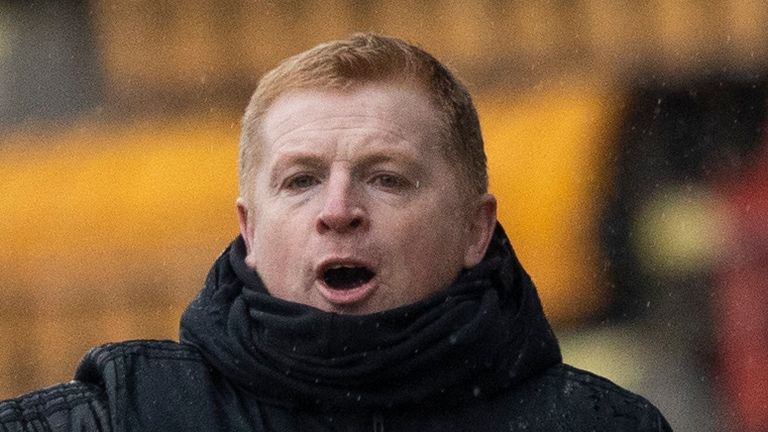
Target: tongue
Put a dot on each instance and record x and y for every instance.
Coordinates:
(347, 277)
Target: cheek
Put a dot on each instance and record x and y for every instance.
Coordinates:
(428, 260)
(428, 236)
(271, 240)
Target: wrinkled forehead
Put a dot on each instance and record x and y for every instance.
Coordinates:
(396, 110)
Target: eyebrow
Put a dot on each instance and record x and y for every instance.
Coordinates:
(302, 159)
(410, 160)
(318, 161)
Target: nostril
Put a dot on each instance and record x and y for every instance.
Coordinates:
(340, 224)
(342, 219)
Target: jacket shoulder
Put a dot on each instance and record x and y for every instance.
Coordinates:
(84, 403)
(164, 384)
(599, 401)
(152, 348)
(93, 365)
(92, 402)
(61, 408)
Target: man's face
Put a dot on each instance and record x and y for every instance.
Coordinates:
(354, 207)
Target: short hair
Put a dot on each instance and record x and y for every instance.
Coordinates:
(366, 58)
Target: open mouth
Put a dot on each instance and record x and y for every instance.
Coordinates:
(343, 277)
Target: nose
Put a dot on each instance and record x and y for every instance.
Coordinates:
(342, 210)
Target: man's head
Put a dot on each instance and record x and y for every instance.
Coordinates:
(363, 182)
(368, 58)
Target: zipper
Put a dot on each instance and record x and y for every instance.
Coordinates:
(378, 423)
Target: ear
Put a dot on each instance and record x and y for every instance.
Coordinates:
(246, 230)
(480, 225)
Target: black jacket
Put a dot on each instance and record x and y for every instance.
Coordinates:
(478, 356)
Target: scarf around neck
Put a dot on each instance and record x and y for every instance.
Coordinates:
(477, 337)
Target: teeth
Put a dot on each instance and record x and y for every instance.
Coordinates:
(340, 266)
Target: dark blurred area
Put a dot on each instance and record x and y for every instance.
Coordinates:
(669, 229)
(48, 61)
(627, 147)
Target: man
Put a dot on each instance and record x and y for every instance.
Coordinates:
(370, 289)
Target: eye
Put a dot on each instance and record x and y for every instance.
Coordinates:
(389, 181)
(301, 182)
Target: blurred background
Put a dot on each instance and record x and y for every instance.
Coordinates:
(626, 145)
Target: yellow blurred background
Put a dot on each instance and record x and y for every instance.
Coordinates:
(118, 144)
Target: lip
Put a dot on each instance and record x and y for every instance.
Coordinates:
(349, 296)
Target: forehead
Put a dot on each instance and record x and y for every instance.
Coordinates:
(392, 112)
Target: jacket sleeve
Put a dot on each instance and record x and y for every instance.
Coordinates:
(71, 407)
